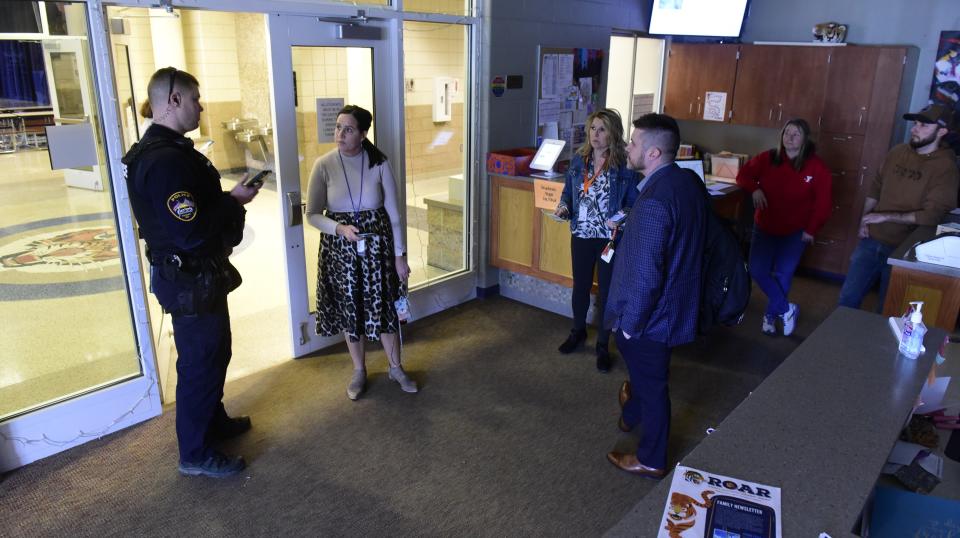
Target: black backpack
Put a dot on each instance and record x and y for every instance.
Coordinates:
(725, 293)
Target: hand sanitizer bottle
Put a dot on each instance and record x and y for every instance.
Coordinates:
(913, 331)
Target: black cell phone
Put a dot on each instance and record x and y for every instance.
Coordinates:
(257, 180)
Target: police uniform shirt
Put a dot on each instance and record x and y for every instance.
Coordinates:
(176, 197)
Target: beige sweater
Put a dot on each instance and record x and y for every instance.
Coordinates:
(908, 182)
(328, 190)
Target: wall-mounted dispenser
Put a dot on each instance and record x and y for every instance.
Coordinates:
(443, 90)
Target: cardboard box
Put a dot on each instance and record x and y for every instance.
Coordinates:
(727, 164)
(510, 162)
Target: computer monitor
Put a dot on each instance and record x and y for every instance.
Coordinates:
(546, 157)
(693, 164)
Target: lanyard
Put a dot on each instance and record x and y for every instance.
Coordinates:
(589, 178)
(356, 207)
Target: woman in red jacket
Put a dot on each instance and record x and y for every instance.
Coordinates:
(791, 189)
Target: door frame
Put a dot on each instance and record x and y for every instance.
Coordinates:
(101, 411)
(286, 31)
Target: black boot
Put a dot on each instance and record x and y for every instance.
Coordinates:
(574, 341)
(603, 358)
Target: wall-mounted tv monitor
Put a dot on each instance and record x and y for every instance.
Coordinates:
(707, 18)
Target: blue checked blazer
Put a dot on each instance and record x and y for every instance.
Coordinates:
(656, 282)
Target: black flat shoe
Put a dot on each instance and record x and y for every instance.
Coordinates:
(233, 427)
(603, 359)
(573, 342)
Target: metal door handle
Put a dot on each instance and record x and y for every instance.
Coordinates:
(780, 112)
(296, 209)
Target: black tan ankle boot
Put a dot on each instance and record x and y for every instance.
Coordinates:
(574, 341)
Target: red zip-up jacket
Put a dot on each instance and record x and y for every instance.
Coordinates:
(796, 200)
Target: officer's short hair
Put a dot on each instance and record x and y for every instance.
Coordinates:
(167, 80)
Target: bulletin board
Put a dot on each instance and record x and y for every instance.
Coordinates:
(568, 90)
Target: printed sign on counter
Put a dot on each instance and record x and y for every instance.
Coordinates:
(546, 194)
(704, 504)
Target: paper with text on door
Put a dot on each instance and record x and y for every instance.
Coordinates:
(703, 504)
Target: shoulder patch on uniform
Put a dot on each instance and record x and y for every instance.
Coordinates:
(182, 205)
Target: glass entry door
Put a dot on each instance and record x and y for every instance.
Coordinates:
(316, 71)
(71, 94)
(76, 362)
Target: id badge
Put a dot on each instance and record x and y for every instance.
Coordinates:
(607, 253)
(362, 247)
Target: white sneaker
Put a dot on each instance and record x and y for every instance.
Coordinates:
(397, 374)
(357, 383)
(790, 319)
(769, 324)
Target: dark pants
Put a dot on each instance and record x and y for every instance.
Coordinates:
(773, 261)
(585, 254)
(203, 349)
(649, 405)
(868, 264)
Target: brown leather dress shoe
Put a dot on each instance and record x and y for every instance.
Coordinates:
(624, 393)
(630, 464)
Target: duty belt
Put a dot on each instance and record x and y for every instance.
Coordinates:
(177, 260)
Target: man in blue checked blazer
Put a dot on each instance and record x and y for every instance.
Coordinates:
(655, 288)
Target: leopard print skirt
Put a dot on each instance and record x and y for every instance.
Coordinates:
(356, 294)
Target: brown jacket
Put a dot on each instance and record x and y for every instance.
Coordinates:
(908, 181)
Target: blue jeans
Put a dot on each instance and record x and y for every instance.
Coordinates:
(868, 263)
(773, 261)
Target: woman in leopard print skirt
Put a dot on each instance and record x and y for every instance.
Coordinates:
(354, 201)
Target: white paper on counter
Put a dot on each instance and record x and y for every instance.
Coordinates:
(904, 453)
(932, 395)
(933, 464)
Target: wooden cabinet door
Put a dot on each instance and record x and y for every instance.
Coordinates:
(680, 94)
(694, 70)
(757, 92)
(802, 84)
(840, 151)
(849, 86)
(718, 73)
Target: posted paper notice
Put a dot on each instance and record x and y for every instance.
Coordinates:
(704, 504)
(714, 106)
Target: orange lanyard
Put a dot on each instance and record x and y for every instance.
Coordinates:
(589, 178)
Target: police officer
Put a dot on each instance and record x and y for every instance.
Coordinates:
(190, 226)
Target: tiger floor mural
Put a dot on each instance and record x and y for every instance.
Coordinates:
(60, 257)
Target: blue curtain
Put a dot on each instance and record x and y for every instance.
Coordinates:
(23, 81)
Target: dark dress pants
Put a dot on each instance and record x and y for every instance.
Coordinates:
(204, 348)
(585, 256)
(649, 405)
